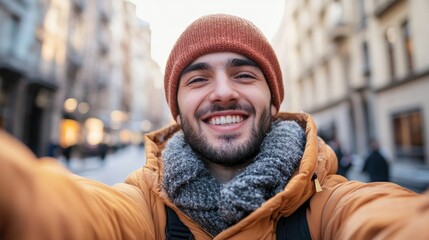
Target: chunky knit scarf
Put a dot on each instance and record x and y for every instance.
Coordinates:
(216, 206)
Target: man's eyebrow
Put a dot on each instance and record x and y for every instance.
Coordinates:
(195, 67)
(238, 62)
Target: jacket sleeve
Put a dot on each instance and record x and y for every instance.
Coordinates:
(40, 199)
(356, 210)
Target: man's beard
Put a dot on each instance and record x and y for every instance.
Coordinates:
(228, 153)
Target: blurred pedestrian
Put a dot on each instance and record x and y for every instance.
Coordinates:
(53, 149)
(376, 164)
(344, 158)
(103, 149)
(67, 152)
(345, 163)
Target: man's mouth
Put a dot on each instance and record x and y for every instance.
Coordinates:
(225, 120)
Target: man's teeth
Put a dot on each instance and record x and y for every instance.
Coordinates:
(225, 120)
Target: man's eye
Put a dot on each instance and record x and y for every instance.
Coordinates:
(196, 80)
(245, 75)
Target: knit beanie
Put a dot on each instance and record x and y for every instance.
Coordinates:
(222, 33)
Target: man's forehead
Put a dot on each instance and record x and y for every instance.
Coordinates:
(229, 59)
(218, 55)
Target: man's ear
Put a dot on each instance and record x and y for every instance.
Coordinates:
(178, 120)
(273, 110)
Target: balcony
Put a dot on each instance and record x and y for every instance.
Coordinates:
(11, 67)
(79, 5)
(17, 8)
(384, 6)
(339, 32)
(105, 11)
(337, 26)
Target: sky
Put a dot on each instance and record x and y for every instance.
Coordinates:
(169, 18)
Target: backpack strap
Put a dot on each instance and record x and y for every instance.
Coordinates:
(175, 229)
(294, 226)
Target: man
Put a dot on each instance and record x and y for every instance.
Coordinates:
(344, 157)
(231, 168)
(376, 164)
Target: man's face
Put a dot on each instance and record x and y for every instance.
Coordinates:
(225, 107)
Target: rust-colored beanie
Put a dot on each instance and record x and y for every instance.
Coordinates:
(222, 33)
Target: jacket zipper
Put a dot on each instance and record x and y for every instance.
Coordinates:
(316, 183)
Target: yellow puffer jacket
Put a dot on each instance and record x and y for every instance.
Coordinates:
(41, 200)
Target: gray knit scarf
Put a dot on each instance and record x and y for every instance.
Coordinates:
(216, 206)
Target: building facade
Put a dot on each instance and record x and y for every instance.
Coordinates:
(27, 82)
(361, 69)
(73, 72)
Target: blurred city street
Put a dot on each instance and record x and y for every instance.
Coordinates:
(116, 167)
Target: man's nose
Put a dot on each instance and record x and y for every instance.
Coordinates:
(224, 89)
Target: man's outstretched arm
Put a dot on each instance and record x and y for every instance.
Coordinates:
(40, 199)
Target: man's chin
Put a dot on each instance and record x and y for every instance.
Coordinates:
(228, 161)
(229, 139)
(229, 154)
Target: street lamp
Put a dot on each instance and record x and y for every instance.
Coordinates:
(70, 105)
(94, 128)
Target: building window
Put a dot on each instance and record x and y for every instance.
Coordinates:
(408, 44)
(313, 92)
(390, 38)
(9, 26)
(77, 35)
(362, 13)
(35, 54)
(311, 42)
(408, 135)
(346, 66)
(366, 61)
(299, 57)
(329, 84)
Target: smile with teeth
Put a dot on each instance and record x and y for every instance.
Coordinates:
(223, 120)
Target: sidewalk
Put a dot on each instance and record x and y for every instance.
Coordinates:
(115, 168)
(413, 177)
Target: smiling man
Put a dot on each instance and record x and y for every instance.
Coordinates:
(225, 110)
(232, 167)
